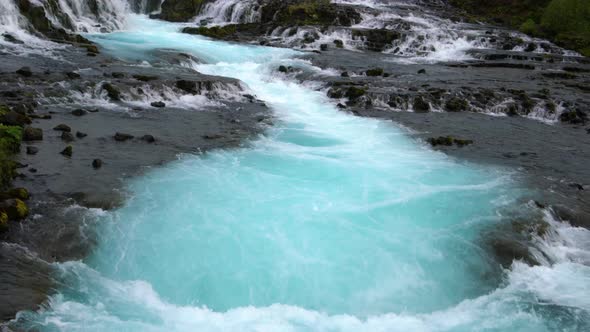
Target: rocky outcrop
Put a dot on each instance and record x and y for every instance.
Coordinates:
(181, 10)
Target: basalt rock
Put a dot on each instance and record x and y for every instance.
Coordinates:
(68, 151)
(122, 137)
(181, 10)
(32, 134)
(62, 127)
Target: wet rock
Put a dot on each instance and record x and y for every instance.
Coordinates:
(118, 75)
(187, 86)
(376, 39)
(33, 170)
(3, 222)
(15, 209)
(97, 163)
(345, 74)
(212, 136)
(112, 91)
(68, 151)
(32, 150)
(374, 72)
(145, 78)
(324, 47)
(122, 137)
(354, 93)
(448, 141)
(422, 71)
(283, 69)
(40, 116)
(71, 75)
(80, 134)
(421, 105)
(148, 138)
(32, 134)
(10, 38)
(158, 104)
(62, 127)
(574, 217)
(20, 193)
(338, 43)
(92, 49)
(25, 71)
(456, 104)
(507, 250)
(577, 186)
(79, 112)
(67, 136)
(574, 117)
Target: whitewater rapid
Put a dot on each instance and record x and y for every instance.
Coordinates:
(327, 222)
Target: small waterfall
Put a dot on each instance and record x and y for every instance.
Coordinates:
(230, 11)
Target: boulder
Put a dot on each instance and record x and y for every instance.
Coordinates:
(32, 134)
(71, 75)
(79, 112)
(456, 104)
(421, 105)
(25, 71)
(14, 208)
(80, 134)
(68, 151)
(67, 136)
(181, 10)
(122, 137)
(158, 104)
(97, 163)
(32, 150)
(148, 138)
(13, 118)
(62, 127)
(112, 91)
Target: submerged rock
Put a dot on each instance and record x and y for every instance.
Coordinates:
(25, 71)
(32, 150)
(122, 137)
(68, 151)
(421, 105)
(158, 104)
(79, 112)
(62, 127)
(67, 136)
(97, 163)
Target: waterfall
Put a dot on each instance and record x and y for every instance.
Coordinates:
(230, 11)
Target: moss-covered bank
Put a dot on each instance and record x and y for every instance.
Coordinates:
(565, 22)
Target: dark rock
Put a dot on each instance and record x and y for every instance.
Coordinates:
(92, 49)
(324, 47)
(574, 117)
(79, 112)
(148, 138)
(10, 38)
(121, 137)
(158, 104)
(25, 71)
(62, 127)
(339, 43)
(375, 72)
(283, 69)
(354, 93)
(422, 71)
(68, 151)
(80, 134)
(97, 163)
(145, 78)
(19, 193)
(112, 91)
(13, 118)
(33, 170)
(376, 39)
(32, 150)
(456, 104)
(67, 136)
(71, 75)
(421, 105)
(577, 186)
(344, 74)
(118, 75)
(187, 86)
(14, 208)
(448, 141)
(212, 136)
(32, 134)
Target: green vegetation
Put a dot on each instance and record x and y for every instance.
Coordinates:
(10, 139)
(565, 22)
(217, 32)
(308, 12)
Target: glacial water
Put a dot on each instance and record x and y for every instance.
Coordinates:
(327, 222)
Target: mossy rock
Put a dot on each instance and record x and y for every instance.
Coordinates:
(354, 93)
(217, 32)
(3, 222)
(14, 208)
(375, 72)
(181, 10)
(112, 91)
(456, 104)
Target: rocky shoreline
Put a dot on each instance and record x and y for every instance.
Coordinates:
(92, 121)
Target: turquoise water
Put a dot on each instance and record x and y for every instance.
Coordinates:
(327, 222)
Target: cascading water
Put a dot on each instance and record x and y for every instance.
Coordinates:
(230, 11)
(329, 222)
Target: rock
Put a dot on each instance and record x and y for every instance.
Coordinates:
(345, 74)
(145, 78)
(577, 186)
(97, 163)
(3, 222)
(80, 134)
(339, 43)
(420, 105)
(148, 138)
(33, 170)
(283, 69)
(67, 136)
(112, 91)
(422, 71)
(456, 104)
(212, 136)
(121, 137)
(62, 127)
(574, 117)
(376, 39)
(448, 141)
(79, 112)
(181, 10)
(25, 71)
(187, 86)
(118, 75)
(13, 118)
(68, 151)
(32, 134)
(354, 93)
(92, 49)
(324, 47)
(71, 75)
(41, 116)
(158, 104)
(10, 38)
(20, 193)
(15, 209)
(375, 72)
(32, 150)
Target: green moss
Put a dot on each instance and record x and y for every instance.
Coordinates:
(10, 139)
(3, 222)
(217, 32)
